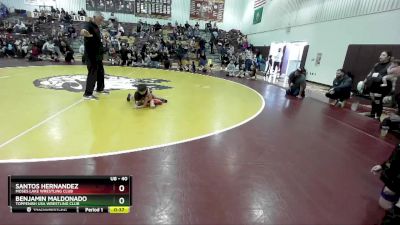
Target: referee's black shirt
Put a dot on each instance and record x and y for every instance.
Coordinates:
(93, 45)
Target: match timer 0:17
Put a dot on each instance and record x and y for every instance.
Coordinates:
(70, 194)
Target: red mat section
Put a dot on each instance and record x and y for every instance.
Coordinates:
(298, 162)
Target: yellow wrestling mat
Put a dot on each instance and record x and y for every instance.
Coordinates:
(43, 116)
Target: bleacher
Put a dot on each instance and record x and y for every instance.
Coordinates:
(36, 28)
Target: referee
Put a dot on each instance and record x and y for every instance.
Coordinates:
(94, 56)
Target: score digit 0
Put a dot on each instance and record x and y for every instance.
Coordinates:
(121, 188)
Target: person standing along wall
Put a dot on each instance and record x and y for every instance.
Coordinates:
(373, 84)
(277, 62)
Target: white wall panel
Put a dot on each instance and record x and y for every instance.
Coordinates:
(329, 26)
(302, 12)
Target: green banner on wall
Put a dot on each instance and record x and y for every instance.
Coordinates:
(258, 15)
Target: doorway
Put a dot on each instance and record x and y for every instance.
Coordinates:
(294, 56)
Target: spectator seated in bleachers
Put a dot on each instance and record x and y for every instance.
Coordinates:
(42, 18)
(113, 18)
(52, 10)
(157, 27)
(208, 27)
(231, 69)
(10, 49)
(34, 53)
(121, 30)
(341, 89)
(67, 51)
(82, 12)
(202, 59)
(49, 50)
(20, 27)
(147, 45)
(67, 18)
(72, 32)
(3, 11)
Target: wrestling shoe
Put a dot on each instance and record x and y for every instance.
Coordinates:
(104, 92)
(90, 97)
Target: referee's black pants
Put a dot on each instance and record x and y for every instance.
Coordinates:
(95, 74)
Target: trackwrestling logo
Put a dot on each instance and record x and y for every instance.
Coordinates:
(77, 83)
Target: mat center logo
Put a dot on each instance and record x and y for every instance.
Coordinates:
(77, 83)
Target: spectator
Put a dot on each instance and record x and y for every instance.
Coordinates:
(48, 48)
(34, 53)
(277, 61)
(20, 27)
(113, 18)
(42, 18)
(155, 58)
(62, 11)
(341, 89)
(248, 59)
(393, 73)
(166, 61)
(67, 18)
(231, 69)
(187, 25)
(203, 59)
(116, 44)
(211, 42)
(196, 32)
(268, 66)
(208, 27)
(124, 55)
(202, 45)
(157, 26)
(297, 83)
(121, 30)
(389, 172)
(72, 32)
(245, 42)
(82, 12)
(373, 84)
(10, 49)
(253, 71)
(225, 61)
(67, 51)
(139, 26)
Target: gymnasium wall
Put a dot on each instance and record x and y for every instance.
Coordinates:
(180, 11)
(329, 26)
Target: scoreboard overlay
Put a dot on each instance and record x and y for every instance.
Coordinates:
(70, 194)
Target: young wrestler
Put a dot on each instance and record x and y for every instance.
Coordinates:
(144, 97)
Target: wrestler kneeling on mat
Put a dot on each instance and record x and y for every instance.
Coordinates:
(144, 97)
